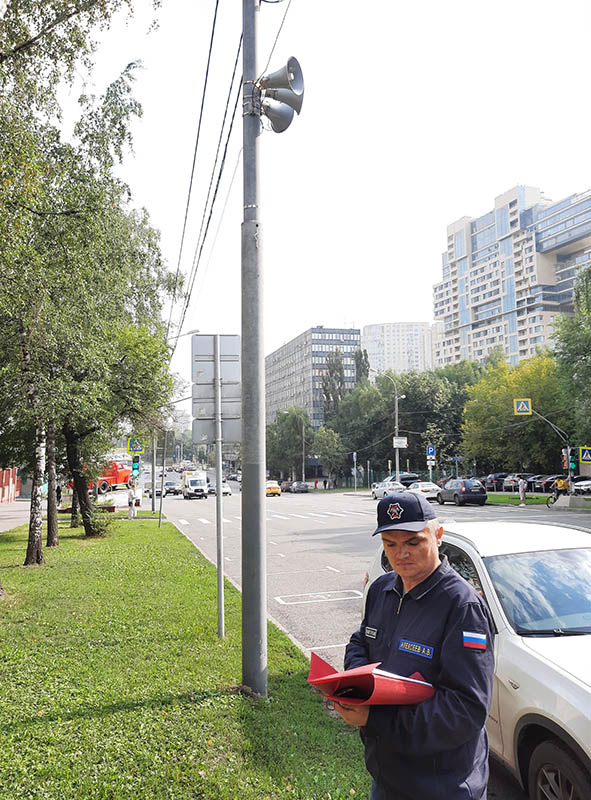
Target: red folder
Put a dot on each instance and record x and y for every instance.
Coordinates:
(367, 685)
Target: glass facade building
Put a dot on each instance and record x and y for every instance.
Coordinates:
(508, 274)
(294, 372)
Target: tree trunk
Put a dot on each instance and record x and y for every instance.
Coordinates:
(52, 530)
(75, 518)
(79, 476)
(35, 545)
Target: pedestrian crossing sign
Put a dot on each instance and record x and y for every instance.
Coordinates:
(584, 455)
(134, 446)
(522, 406)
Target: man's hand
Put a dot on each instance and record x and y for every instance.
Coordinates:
(353, 715)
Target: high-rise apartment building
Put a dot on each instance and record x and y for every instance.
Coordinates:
(294, 372)
(508, 274)
(399, 346)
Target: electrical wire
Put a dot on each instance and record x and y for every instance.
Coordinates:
(178, 267)
(198, 255)
(276, 38)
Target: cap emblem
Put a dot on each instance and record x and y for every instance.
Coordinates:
(395, 511)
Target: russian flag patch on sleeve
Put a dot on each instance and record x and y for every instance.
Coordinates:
(474, 640)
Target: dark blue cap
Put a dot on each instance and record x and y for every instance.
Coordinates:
(403, 511)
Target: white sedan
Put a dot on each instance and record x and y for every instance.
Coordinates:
(426, 488)
(384, 488)
(536, 580)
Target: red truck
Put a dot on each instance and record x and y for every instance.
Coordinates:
(112, 475)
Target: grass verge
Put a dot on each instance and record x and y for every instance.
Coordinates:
(512, 498)
(116, 687)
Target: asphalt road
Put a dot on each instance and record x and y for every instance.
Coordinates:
(319, 546)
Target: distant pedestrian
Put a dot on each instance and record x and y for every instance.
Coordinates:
(131, 502)
(522, 488)
(58, 495)
(325, 483)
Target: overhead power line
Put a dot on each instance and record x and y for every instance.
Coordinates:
(178, 267)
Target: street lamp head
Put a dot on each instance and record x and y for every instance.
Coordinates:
(402, 397)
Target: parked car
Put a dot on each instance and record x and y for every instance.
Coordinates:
(272, 489)
(384, 488)
(545, 484)
(582, 487)
(426, 488)
(540, 716)
(148, 490)
(286, 486)
(494, 481)
(511, 482)
(531, 482)
(406, 478)
(172, 487)
(461, 491)
(298, 487)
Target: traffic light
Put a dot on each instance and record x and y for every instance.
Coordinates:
(572, 458)
(565, 458)
(135, 467)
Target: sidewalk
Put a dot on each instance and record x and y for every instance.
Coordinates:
(13, 514)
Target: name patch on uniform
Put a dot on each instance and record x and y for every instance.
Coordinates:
(424, 650)
(371, 633)
(474, 640)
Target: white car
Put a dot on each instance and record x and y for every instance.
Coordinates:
(426, 488)
(384, 488)
(582, 487)
(536, 580)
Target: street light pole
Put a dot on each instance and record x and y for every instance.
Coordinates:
(397, 453)
(254, 552)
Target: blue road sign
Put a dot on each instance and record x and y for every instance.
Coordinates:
(585, 455)
(522, 406)
(430, 449)
(134, 446)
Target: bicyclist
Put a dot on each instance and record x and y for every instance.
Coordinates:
(560, 486)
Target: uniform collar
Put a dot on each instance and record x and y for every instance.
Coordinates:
(421, 589)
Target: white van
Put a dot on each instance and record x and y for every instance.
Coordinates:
(194, 484)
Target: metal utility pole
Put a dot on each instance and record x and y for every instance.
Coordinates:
(219, 517)
(254, 544)
(161, 479)
(303, 449)
(153, 493)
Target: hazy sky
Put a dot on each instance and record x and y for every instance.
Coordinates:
(415, 114)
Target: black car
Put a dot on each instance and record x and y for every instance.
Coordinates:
(545, 485)
(406, 478)
(298, 487)
(461, 491)
(494, 481)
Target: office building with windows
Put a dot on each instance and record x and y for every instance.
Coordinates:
(399, 346)
(294, 372)
(508, 275)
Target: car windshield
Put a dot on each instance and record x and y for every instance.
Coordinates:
(544, 593)
(198, 482)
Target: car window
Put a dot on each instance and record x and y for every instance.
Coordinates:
(463, 565)
(414, 486)
(544, 591)
(449, 485)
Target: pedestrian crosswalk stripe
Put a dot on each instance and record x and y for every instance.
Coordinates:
(335, 514)
(313, 514)
(278, 516)
(301, 516)
(205, 521)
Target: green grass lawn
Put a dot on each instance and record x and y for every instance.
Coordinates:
(512, 498)
(116, 687)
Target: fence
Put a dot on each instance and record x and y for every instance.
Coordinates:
(10, 485)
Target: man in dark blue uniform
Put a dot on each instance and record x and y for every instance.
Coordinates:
(424, 618)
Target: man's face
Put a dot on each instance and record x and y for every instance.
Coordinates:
(414, 556)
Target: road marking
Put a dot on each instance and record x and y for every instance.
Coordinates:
(319, 597)
(326, 646)
(204, 521)
(281, 555)
(270, 542)
(335, 514)
(183, 521)
(278, 516)
(313, 514)
(240, 518)
(301, 516)
(333, 568)
(227, 558)
(226, 520)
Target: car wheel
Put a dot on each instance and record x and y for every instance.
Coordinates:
(103, 487)
(440, 499)
(481, 502)
(555, 775)
(457, 500)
